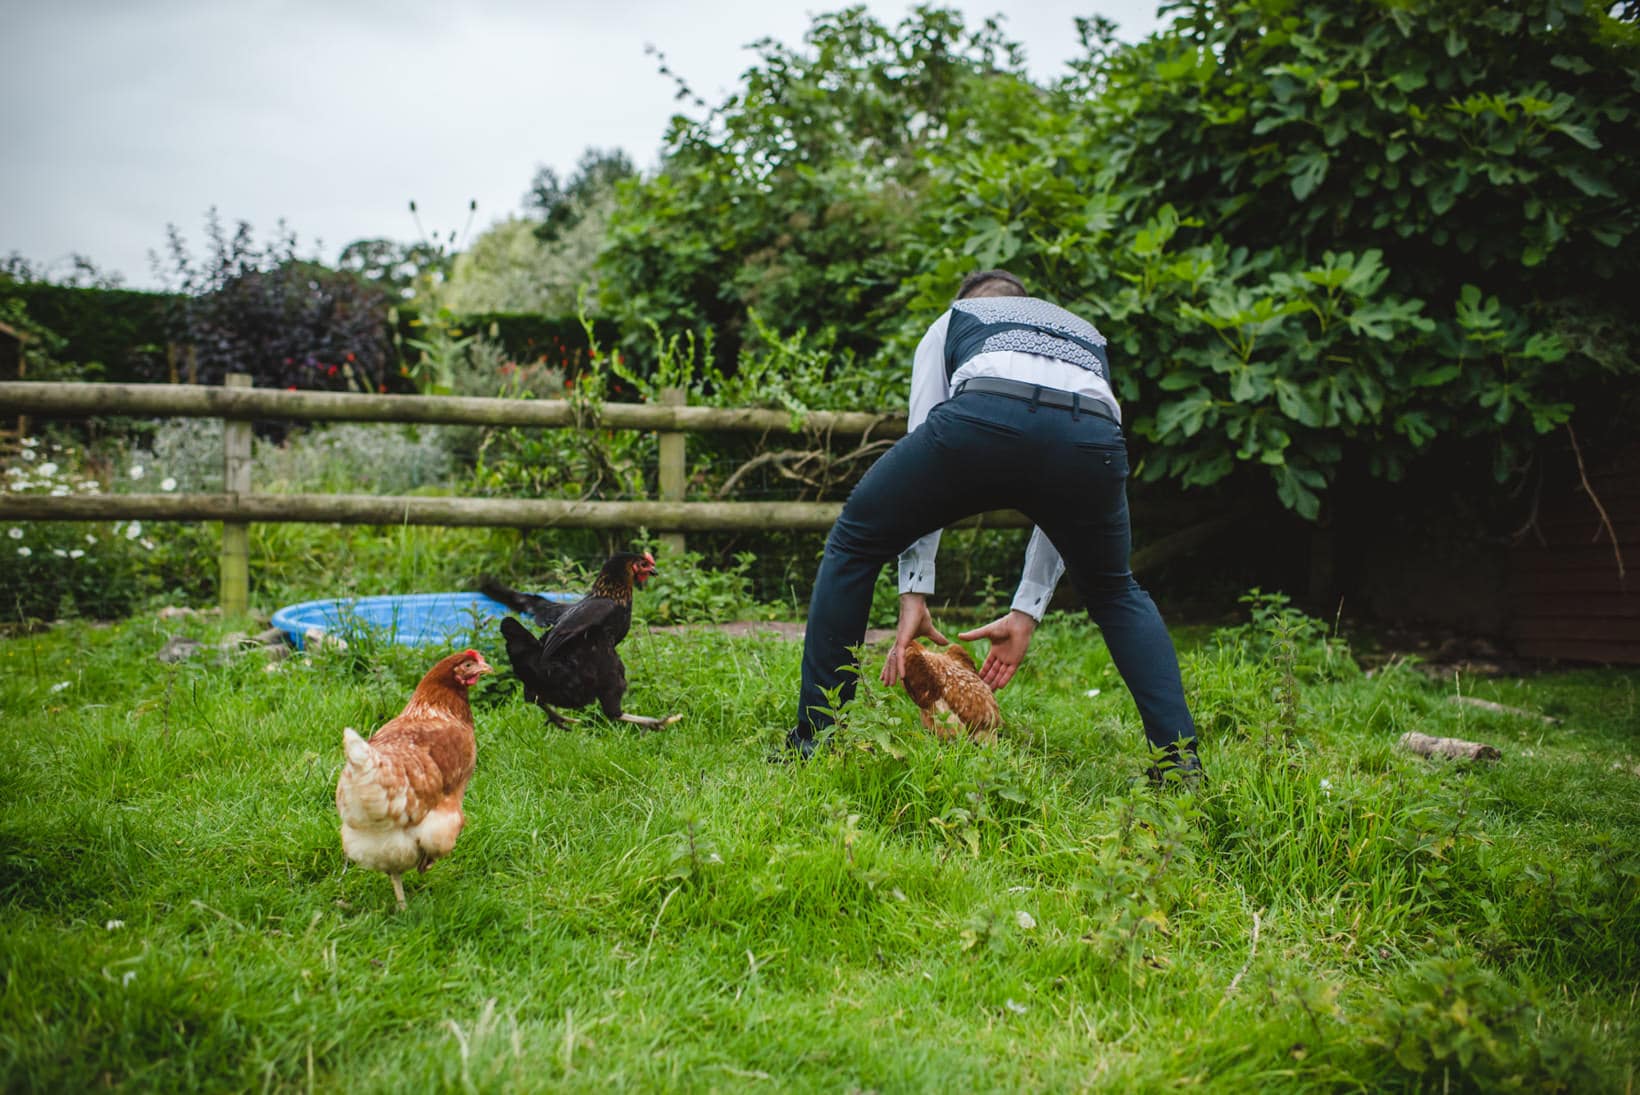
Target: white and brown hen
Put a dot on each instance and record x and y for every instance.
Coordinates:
(400, 793)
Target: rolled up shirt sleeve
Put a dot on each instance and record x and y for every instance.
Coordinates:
(928, 390)
(1043, 569)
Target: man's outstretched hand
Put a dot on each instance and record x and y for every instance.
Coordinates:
(915, 622)
(1009, 637)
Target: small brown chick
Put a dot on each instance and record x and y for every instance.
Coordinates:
(946, 687)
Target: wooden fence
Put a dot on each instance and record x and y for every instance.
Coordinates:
(238, 506)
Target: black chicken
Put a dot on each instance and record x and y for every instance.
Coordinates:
(574, 662)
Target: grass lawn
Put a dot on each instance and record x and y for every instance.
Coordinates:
(670, 911)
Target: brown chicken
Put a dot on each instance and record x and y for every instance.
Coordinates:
(947, 689)
(400, 793)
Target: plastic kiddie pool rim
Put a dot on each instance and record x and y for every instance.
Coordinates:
(409, 619)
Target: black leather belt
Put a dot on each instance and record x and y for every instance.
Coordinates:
(1036, 394)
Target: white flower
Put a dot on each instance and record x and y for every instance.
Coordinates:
(147, 543)
(114, 925)
(87, 484)
(167, 483)
(14, 471)
(60, 685)
(76, 553)
(133, 530)
(48, 468)
(19, 485)
(27, 454)
(137, 471)
(59, 491)
(1024, 919)
(60, 553)
(30, 442)
(1090, 693)
(15, 533)
(90, 539)
(1016, 1008)
(1326, 784)
(25, 551)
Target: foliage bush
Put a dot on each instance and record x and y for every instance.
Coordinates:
(1327, 241)
(792, 197)
(262, 310)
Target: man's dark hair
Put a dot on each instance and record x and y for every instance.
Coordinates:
(991, 283)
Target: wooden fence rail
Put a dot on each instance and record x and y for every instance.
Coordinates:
(237, 506)
(59, 400)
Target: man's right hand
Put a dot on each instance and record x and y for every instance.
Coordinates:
(915, 622)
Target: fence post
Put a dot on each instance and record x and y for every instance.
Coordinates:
(235, 589)
(674, 467)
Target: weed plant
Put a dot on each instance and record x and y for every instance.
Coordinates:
(631, 911)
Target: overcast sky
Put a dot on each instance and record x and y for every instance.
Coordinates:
(123, 116)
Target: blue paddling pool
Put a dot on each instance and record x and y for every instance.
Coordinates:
(410, 619)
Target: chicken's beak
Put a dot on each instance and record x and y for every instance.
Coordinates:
(475, 669)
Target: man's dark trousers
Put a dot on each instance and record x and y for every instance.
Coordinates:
(1064, 469)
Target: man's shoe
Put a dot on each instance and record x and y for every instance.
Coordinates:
(1178, 767)
(799, 746)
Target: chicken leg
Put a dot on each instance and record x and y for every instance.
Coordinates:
(647, 722)
(398, 890)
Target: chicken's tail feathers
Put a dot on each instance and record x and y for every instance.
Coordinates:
(359, 753)
(507, 595)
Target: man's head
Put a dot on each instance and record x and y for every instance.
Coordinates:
(991, 283)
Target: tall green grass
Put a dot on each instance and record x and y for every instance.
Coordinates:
(670, 911)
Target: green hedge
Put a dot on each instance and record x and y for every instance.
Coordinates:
(126, 331)
(122, 329)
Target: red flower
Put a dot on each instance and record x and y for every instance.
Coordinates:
(292, 388)
(350, 355)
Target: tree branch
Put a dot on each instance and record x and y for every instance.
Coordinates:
(1605, 518)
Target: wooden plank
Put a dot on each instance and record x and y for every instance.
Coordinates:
(673, 467)
(1584, 530)
(235, 568)
(52, 399)
(1536, 582)
(1576, 627)
(1584, 557)
(1572, 650)
(1580, 605)
(355, 509)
